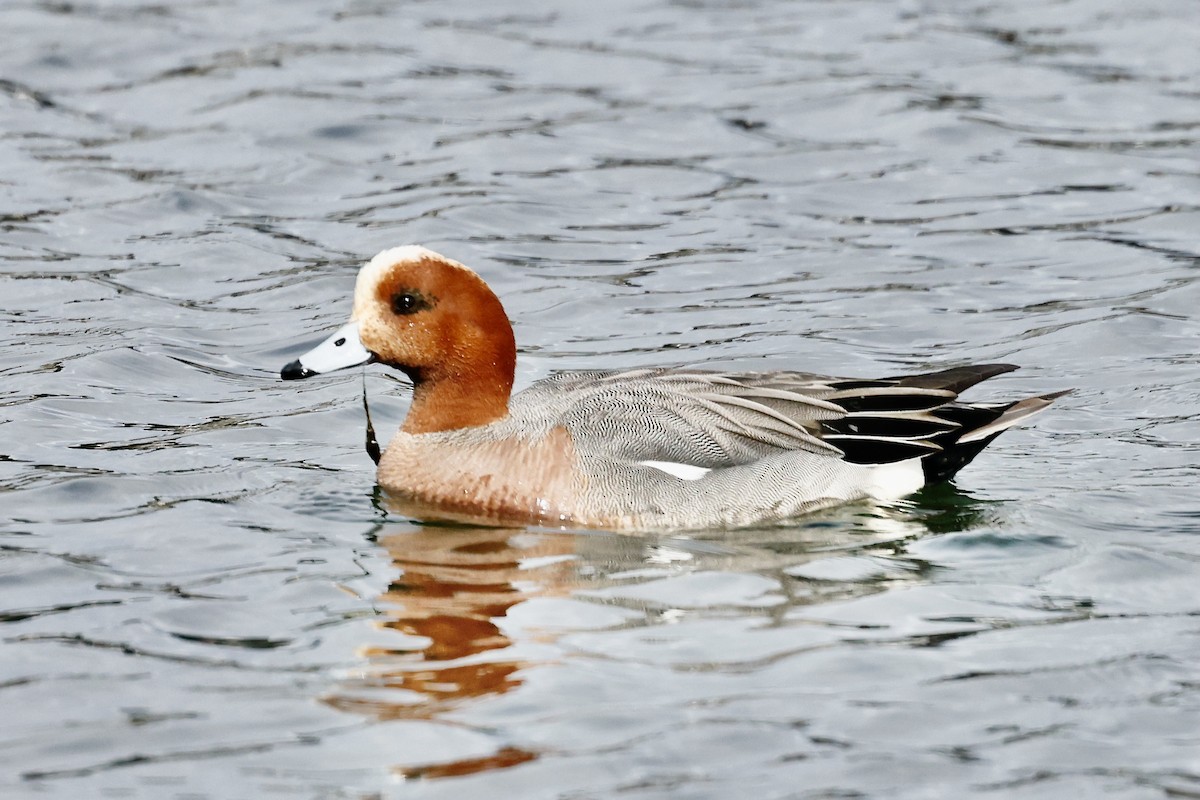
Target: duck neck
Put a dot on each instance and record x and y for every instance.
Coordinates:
(445, 401)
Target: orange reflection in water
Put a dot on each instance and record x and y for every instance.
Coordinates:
(453, 588)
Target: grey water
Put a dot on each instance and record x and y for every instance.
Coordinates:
(200, 594)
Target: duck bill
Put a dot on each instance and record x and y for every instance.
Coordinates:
(343, 349)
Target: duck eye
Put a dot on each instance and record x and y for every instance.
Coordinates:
(409, 302)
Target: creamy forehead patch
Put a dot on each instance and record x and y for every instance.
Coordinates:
(374, 270)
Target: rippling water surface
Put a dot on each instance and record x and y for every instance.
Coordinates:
(201, 595)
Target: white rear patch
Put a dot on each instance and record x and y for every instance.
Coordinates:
(686, 472)
(895, 480)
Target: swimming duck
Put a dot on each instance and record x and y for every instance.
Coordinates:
(642, 449)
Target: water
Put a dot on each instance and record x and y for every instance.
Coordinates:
(202, 596)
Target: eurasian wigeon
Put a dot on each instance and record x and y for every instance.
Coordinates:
(646, 449)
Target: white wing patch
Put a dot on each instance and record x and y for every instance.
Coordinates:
(686, 472)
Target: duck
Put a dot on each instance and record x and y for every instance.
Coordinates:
(648, 449)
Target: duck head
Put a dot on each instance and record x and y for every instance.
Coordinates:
(439, 323)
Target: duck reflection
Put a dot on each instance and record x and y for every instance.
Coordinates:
(456, 586)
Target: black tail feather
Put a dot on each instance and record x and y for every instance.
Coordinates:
(919, 416)
(956, 379)
(941, 466)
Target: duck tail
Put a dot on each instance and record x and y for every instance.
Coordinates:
(981, 424)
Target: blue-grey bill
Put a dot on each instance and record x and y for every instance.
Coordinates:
(343, 349)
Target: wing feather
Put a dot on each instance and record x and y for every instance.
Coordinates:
(706, 420)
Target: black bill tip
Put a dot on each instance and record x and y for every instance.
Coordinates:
(295, 371)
